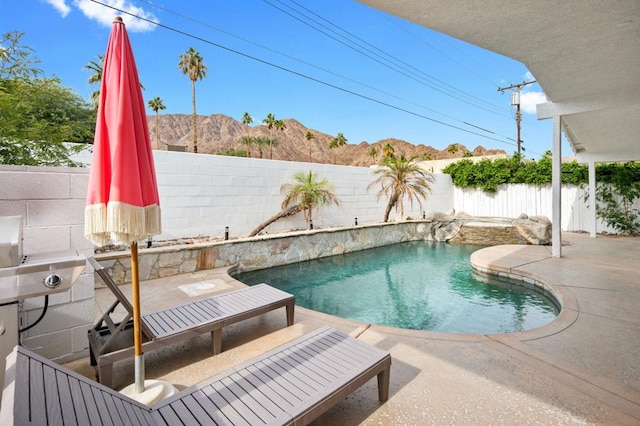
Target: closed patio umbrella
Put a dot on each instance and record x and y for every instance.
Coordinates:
(123, 206)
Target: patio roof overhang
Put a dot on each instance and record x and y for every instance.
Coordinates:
(585, 54)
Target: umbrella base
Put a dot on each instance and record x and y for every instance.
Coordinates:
(154, 391)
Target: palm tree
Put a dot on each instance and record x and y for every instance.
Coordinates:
(373, 153)
(156, 105)
(270, 121)
(192, 64)
(279, 125)
(309, 136)
(388, 151)
(96, 68)
(337, 142)
(261, 141)
(248, 141)
(398, 178)
(305, 195)
(247, 120)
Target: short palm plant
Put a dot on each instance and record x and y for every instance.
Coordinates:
(305, 194)
(398, 178)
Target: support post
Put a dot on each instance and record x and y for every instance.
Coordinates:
(556, 188)
(592, 199)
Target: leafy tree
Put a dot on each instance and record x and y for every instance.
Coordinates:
(37, 114)
(246, 140)
(398, 178)
(616, 195)
(270, 122)
(304, 195)
(96, 68)
(156, 105)
(192, 65)
(17, 60)
(309, 137)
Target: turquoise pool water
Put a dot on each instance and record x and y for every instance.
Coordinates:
(413, 285)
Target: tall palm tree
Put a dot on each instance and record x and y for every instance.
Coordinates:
(279, 125)
(337, 142)
(192, 64)
(398, 178)
(270, 122)
(96, 77)
(156, 105)
(304, 195)
(247, 120)
(247, 140)
(261, 141)
(309, 136)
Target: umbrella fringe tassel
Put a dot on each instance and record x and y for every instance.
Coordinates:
(126, 223)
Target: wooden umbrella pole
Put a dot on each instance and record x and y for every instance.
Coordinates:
(137, 329)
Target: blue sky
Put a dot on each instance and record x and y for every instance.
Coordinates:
(263, 56)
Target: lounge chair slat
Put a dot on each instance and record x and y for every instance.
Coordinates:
(286, 385)
(36, 399)
(257, 402)
(79, 405)
(279, 396)
(185, 321)
(66, 400)
(240, 402)
(211, 409)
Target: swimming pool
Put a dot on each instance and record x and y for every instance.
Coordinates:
(415, 285)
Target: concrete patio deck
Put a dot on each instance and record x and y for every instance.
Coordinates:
(583, 368)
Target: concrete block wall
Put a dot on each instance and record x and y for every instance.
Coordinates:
(51, 203)
(201, 195)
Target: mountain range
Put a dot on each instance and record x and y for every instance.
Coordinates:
(218, 133)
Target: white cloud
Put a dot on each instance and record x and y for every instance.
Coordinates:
(61, 6)
(528, 76)
(104, 15)
(529, 100)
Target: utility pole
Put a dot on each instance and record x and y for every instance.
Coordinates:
(515, 101)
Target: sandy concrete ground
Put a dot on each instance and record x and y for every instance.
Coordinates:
(583, 368)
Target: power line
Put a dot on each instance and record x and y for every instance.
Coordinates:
(357, 47)
(299, 74)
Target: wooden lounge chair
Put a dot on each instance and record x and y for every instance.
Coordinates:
(290, 385)
(111, 340)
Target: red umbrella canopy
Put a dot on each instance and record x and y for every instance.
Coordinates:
(122, 199)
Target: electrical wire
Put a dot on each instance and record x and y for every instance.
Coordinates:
(299, 74)
(393, 58)
(361, 83)
(363, 51)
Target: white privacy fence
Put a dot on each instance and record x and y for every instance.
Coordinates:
(513, 200)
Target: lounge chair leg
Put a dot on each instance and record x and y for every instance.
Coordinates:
(216, 338)
(290, 313)
(383, 384)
